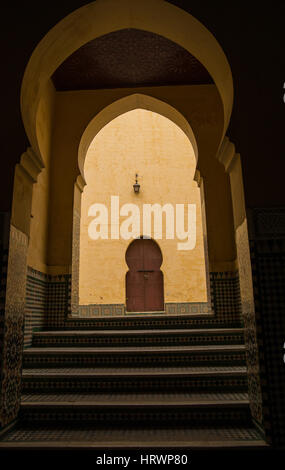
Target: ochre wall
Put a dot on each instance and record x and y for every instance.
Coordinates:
(148, 144)
(200, 104)
(37, 253)
(62, 119)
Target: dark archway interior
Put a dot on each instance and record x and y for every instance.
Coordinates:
(252, 39)
(129, 58)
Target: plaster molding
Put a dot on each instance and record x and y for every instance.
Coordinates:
(80, 183)
(233, 162)
(18, 236)
(198, 177)
(31, 165)
(226, 154)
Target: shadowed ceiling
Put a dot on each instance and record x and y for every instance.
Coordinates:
(129, 58)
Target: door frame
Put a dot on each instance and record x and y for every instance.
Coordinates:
(145, 237)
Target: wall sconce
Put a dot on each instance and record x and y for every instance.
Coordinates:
(136, 186)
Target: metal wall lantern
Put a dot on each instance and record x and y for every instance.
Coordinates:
(136, 186)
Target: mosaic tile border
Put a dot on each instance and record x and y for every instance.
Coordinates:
(96, 310)
(225, 302)
(225, 305)
(113, 310)
(172, 308)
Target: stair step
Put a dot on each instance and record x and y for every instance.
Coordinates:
(134, 371)
(134, 332)
(139, 411)
(51, 436)
(137, 399)
(151, 349)
(138, 337)
(137, 375)
(142, 402)
(149, 321)
(126, 356)
(84, 380)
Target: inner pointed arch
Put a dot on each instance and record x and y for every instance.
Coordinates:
(122, 106)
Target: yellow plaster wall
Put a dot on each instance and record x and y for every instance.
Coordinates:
(200, 104)
(37, 253)
(63, 118)
(146, 143)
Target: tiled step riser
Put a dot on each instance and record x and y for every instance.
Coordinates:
(132, 360)
(236, 383)
(212, 441)
(152, 323)
(136, 341)
(147, 417)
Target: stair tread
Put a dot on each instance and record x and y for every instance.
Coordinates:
(57, 398)
(130, 349)
(138, 332)
(133, 316)
(135, 371)
(195, 437)
(135, 399)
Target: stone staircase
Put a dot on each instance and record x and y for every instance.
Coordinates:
(142, 382)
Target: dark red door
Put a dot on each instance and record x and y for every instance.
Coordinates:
(144, 280)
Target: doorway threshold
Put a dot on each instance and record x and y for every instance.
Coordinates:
(145, 313)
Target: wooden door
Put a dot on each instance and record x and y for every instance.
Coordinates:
(144, 280)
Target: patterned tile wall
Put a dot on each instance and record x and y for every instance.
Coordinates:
(4, 231)
(225, 302)
(75, 261)
(36, 304)
(58, 300)
(225, 297)
(267, 249)
(12, 337)
(250, 325)
(225, 308)
(47, 302)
